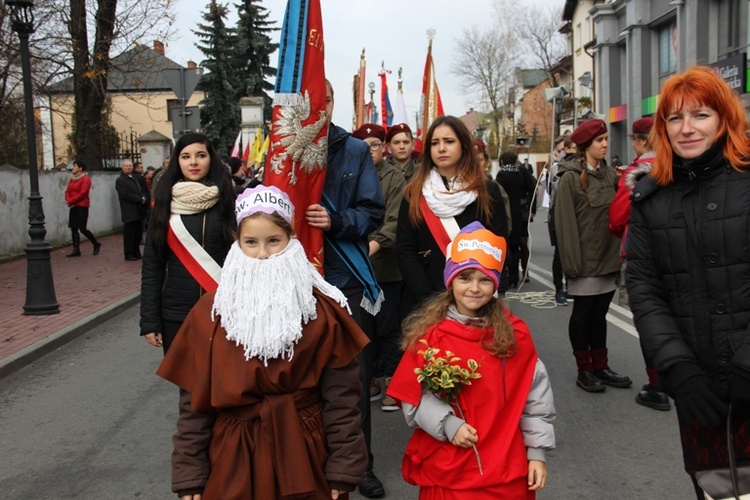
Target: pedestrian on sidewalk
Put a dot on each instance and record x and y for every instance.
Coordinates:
(589, 253)
(489, 440)
(688, 274)
(268, 371)
(564, 146)
(77, 198)
(133, 209)
(191, 230)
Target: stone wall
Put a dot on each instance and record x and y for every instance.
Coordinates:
(104, 214)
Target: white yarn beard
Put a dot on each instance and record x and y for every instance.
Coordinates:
(263, 303)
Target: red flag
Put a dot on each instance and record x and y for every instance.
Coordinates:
(246, 153)
(431, 106)
(299, 131)
(237, 146)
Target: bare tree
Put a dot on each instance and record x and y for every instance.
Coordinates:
(537, 30)
(485, 61)
(75, 38)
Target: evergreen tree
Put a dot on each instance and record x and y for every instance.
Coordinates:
(254, 49)
(220, 114)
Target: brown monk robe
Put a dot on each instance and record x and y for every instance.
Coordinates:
(288, 430)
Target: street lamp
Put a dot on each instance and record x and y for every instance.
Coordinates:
(40, 287)
(480, 131)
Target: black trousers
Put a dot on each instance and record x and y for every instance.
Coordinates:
(366, 321)
(131, 238)
(587, 328)
(557, 272)
(388, 331)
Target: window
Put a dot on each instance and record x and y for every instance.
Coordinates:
(732, 16)
(588, 29)
(667, 54)
(579, 41)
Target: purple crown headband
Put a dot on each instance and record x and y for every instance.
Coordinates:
(266, 199)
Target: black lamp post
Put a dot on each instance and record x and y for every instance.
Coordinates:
(558, 104)
(40, 287)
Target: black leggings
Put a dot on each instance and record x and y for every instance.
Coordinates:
(88, 234)
(587, 328)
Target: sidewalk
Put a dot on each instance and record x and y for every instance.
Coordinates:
(90, 289)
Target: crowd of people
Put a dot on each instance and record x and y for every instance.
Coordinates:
(277, 363)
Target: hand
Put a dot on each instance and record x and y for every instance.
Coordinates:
(143, 200)
(154, 338)
(466, 436)
(537, 474)
(335, 493)
(374, 248)
(317, 216)
(197, 496)
(697, 397)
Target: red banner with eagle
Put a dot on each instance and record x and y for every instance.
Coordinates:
(298, 152)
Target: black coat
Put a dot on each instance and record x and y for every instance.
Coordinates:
(421, 261)
(520, 186)
(168, 291)
(688, 274)
(131, 196)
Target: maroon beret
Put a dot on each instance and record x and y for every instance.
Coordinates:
(369, 130)
(587, 130)
(479, 146)
(394, 130)
(643, 126)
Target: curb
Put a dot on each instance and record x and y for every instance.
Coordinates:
(35, 351)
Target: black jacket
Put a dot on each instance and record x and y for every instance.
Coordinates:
(421, 261)
(520, 186)
(688, 274)
(168, 291)
(131, 196)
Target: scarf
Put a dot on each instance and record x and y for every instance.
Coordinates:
(193, 197)
(263, 303)
(354, 255)
(446, 203)
(78, 177)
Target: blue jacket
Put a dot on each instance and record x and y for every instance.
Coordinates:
(353, 187)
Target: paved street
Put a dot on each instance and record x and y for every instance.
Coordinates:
(92, 421)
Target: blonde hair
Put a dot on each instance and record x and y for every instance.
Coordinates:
(502, 342)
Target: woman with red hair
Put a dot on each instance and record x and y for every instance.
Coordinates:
(688, 274)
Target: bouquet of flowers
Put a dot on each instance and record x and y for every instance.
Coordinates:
(446, 379)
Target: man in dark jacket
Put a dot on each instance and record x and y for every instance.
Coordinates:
(133, 207)
(355, 209)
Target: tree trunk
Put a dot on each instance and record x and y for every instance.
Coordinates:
(90, 77)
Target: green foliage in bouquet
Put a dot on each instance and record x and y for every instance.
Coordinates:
(442, 375)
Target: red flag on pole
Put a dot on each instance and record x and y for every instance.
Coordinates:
(431, 106)
(360, 96)
(385, 104)
(299, 131)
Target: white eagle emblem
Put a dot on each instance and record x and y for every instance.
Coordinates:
(297, 140)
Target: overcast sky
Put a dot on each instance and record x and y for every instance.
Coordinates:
(393, 31)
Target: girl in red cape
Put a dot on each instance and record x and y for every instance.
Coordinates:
(490, 441)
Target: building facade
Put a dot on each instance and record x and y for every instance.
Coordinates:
(638, 44)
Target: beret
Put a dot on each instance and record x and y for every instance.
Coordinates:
(588, 130)
(643, 126)
(394, 130)
(369, 130)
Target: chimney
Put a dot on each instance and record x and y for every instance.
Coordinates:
(191, 65)
(159, 47)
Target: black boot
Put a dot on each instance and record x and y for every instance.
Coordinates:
(604, 373)
(76, 252)
(653, 398)
(586, 379)
(88, 234)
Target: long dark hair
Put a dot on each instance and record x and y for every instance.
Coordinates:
(218, 175)
(469, 169)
